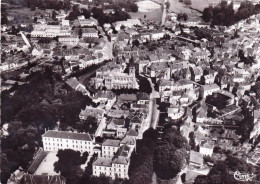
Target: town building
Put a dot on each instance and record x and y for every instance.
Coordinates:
(60, 140)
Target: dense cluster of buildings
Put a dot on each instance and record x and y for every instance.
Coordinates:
(205, 77)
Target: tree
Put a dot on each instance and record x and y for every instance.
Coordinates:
(167, 5)
(53, 15)
(185, 17)
(187, 2)
(141, 165)
(122, 27)
(86, 13)
(133, 7)
(68, 162)
(4, 19)
(136, 43)
(88, 125)
(102, 179)
(5, 168)
(207, 14)
(35, 19)
(80, 33)
(170, 154)
(33, 8)
(86, 176)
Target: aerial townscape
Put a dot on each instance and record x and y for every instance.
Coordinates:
(130, 92)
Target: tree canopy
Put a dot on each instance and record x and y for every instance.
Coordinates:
(170, 154)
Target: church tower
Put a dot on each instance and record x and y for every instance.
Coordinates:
(132, 71)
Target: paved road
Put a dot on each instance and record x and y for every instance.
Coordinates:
(164, 15)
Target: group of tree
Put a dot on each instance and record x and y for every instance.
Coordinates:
(18, 147)
(182, 16)
(68, 164)
(34, 107)
(223, 171)
(141, 166)
(48, 4)
(171, 153)
(128, 5)
(187, 2)
(224, 14)
(103, 18)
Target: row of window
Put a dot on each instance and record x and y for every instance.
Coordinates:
(55, 148)
(120, 175)
(62, 140)
(110, 169)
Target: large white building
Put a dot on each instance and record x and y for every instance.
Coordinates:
(117, 166)
(129, 23)
(44, 30)
(60, 140)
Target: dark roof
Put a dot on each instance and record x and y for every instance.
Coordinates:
(73, 82)
(111, 142)
(128, 97)
(103, 162)
(132, 132)
(67, 135)
(196, 157)
(43, 179)
(142, 96)
(37, 161)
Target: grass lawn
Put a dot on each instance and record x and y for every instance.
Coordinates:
(21, 14)
(155, 15)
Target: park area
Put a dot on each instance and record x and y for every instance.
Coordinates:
(148, 10)
(20, 14)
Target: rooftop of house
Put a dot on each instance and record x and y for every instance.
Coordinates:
(117, 122)
(73, 82)
(67, 135)
(132, 132)
(121, 160)
(42, 179)
(128, 97)
(207, 144)
(107, 162)
(142, 96)
(128, 141)
(104, 94)
(111, 142)
(37, 161)
(196, 157)
(210, 87)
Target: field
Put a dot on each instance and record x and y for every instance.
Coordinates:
(21, 14)
(178, 7)
(155, 15)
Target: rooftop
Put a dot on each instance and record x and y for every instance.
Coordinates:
(196, 157)
(67, 135)
(111, 142)
(107, 162)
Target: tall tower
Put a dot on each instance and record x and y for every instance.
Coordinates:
(132, 71)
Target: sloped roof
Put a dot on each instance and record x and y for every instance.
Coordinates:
(103, 162)
(43, 179)
(132, 132)
(73, 82)
(128, 97)
(37, 161)
(196, 157)
(111, 142)
(67, 135)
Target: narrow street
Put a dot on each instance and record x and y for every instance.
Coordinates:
(153, 115)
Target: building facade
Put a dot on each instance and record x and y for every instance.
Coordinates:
(60, 140)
